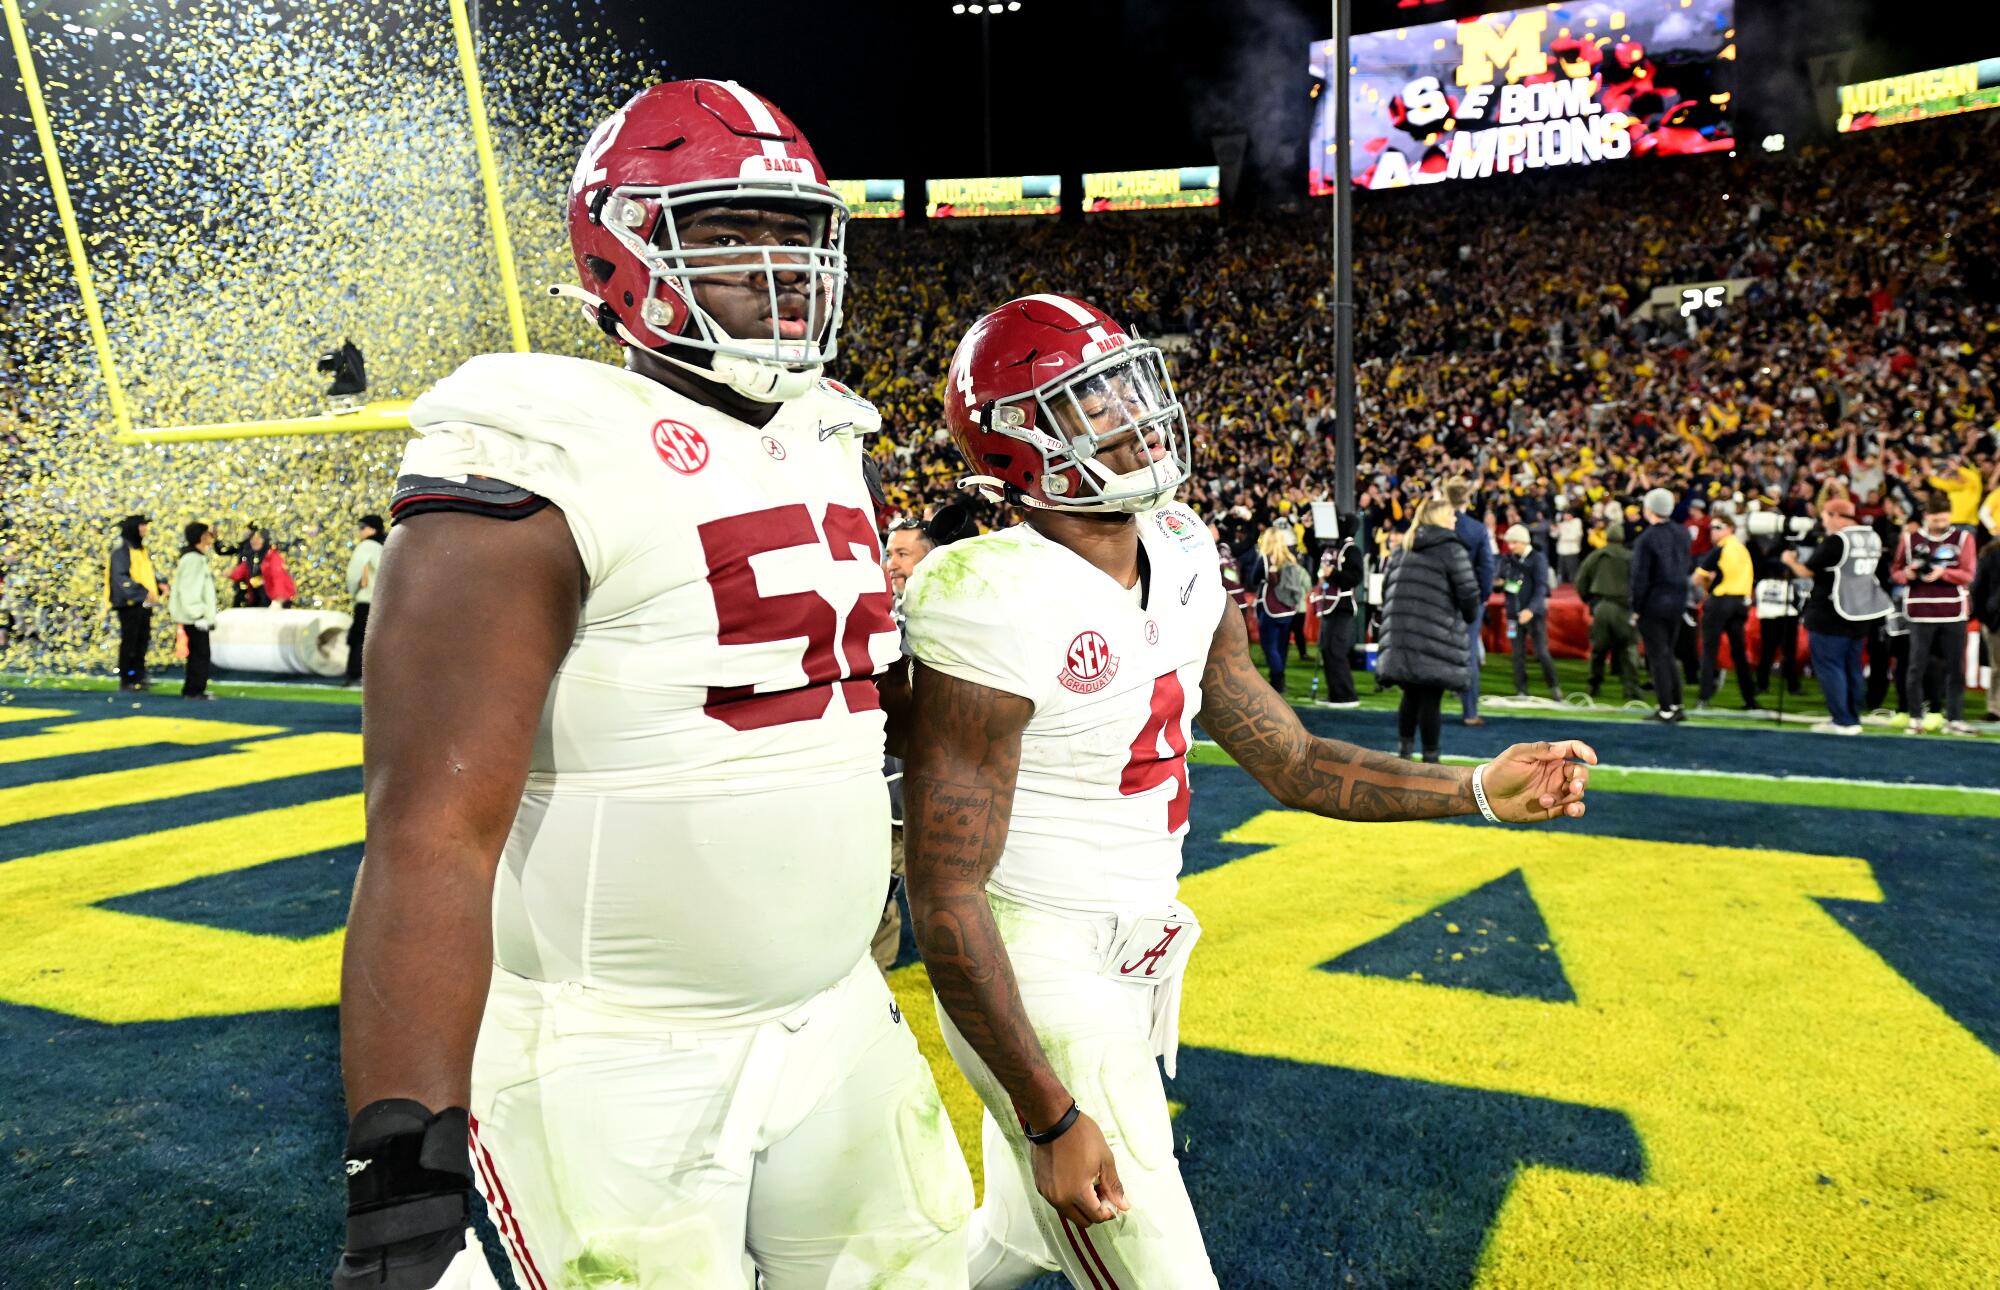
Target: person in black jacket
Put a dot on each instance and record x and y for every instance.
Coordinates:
(1340, 568)
(134, 588)
(1986, 608)
(1662, 566)
(1430, 597)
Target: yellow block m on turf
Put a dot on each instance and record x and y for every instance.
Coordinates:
(1808, 1116)
(63, 953)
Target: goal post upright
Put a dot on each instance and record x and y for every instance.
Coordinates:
(31, 85)
(390, 414)
(489, 175)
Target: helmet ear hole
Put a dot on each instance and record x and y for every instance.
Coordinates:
(602, 269)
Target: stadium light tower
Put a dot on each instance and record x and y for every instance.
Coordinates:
(986, 13)
(1343, 273)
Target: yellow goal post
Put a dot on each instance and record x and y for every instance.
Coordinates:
(383, 415)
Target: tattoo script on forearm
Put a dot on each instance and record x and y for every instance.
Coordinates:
(1256, 727)
(957, 796)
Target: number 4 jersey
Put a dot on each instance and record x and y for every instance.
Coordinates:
(705, 826)
(1101, 803)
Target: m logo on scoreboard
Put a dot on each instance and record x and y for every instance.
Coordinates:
(1089, 664)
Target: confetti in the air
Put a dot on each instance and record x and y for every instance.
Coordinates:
(256, 183)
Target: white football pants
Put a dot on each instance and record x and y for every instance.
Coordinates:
(1097, 1035)
(616, 1149)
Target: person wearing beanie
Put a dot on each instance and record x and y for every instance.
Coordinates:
(1524, 574)
(361, 567)
(133, 589)
(192, 603)
(1605, 584)
(1662, 564)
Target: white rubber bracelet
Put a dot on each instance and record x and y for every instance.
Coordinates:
(1479, 792)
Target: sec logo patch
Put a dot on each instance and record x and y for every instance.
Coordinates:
(1089, 665)
(681, 446)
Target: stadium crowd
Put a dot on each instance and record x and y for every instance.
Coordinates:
(1505, 338)
(1494, 338)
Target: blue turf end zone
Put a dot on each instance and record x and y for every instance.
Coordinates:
(205, 1152)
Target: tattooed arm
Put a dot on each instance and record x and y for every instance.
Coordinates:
(1256, 727)
(958, 792)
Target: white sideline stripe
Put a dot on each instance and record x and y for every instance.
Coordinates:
(760, 116)
(1734, 774)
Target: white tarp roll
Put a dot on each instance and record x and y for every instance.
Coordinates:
(280, 640)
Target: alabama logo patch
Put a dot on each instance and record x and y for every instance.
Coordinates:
(1089, 665)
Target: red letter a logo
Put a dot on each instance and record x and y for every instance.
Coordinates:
(1151, 958)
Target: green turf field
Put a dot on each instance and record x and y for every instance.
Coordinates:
(1735, 1028)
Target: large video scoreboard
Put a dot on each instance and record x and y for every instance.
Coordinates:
(1530, 89)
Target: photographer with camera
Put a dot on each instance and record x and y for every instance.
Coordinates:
(1850, 595)
(1935, 563)
(1777, 607)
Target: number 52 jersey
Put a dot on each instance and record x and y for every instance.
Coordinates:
(705, 827)
(1101, 802)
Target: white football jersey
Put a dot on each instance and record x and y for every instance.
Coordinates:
(736, 610)
(1101, 803)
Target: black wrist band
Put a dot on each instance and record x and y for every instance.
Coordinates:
(1054, 1131)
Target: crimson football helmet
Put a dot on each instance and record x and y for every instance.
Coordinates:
(1041, 386)
(690, 144)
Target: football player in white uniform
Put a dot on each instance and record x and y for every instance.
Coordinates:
(1059, 663)
(627, 828)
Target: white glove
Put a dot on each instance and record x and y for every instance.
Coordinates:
(468, 1271)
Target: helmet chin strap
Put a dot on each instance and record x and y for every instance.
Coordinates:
(995, 489)
(1107, 482)
(753, 378)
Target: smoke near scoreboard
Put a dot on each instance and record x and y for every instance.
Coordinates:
(995, 195)
(1531, 89)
